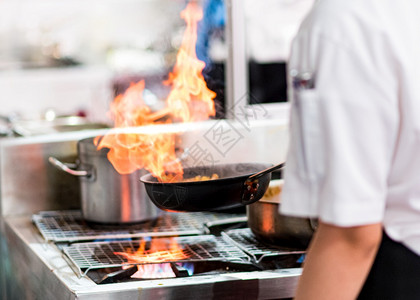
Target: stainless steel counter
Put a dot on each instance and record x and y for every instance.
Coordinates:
(38, 270)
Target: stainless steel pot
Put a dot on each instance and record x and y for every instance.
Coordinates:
(106, 196)
(270, 226)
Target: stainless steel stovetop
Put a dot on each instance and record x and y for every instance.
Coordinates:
(62, 255)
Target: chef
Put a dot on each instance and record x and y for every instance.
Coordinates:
(354, 156)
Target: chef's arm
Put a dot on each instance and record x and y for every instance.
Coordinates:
(338, 261)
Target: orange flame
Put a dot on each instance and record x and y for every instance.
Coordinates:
(158, 252)
(189, 100)
(130, 151)
(129, 109)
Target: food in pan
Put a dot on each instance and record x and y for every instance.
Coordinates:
(273, 193)
(201, 178)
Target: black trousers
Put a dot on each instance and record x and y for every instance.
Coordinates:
(395, 273)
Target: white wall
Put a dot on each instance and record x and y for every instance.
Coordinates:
(67, 91)
(92, 32)
(86, 29)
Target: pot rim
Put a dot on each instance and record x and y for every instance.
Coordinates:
(86, 146)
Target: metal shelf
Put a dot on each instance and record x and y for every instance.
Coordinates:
(69, 226)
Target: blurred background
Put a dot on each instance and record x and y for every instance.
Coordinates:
(72, 57)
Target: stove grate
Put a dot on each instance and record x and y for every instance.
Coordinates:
(246, 240)
(69, 226)
(97, 255)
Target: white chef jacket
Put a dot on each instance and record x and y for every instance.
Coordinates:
(354, 156)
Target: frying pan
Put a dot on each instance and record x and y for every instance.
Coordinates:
(238, 185)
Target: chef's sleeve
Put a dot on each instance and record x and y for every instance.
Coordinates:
(343, 131)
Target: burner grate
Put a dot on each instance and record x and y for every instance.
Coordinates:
(97, 255)
(246, 240)
(69, 226)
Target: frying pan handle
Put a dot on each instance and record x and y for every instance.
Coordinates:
(68, 168)
(266, 171)
(251, 185)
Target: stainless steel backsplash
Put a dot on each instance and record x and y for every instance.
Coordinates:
(29, 183)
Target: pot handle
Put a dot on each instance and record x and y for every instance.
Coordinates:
(68, 168)
(251, 185)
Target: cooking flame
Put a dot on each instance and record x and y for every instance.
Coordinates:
(154, 271)
(189, 100)
(131, 151)
(165, 270)
(158, 252)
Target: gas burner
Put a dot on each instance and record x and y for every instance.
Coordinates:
(236, 247)
(97, 255)
(261, 257)
(169, 270)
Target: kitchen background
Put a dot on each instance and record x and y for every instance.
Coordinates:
(72, 57)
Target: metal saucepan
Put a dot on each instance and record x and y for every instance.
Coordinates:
(106, 196)
(238, 185)
(269, 226)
